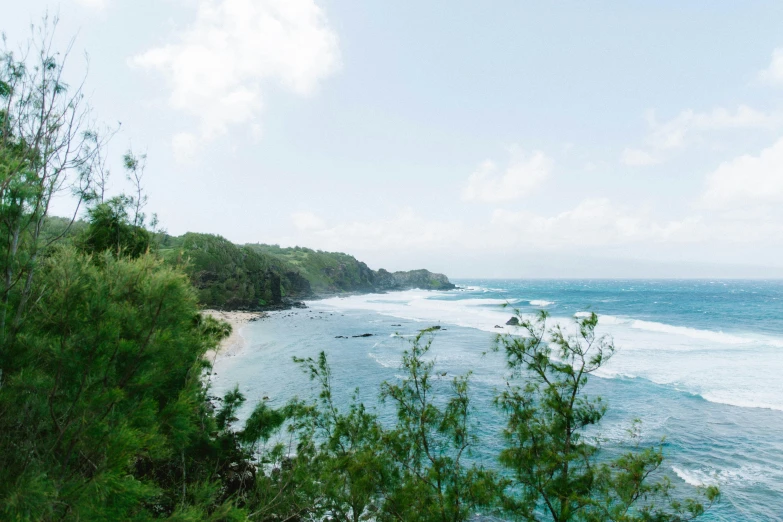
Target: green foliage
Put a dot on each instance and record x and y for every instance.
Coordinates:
(61, 230)
(350, 467)
(344, 453)
(557, 470)
(431, 442)
(45, 149)
(231, 276)
(105, 374)
(326, 271)
(111, 229)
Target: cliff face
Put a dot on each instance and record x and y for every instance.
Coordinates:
(336, 272)
(423, 279)
(251, 277)
(228, 276)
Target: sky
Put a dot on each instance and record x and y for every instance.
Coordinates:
(479, 139)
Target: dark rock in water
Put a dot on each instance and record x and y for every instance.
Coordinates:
(298, 304)
(363, 335)
(341, 337)
(514, 321)
(431, 328)
(396, 325)
(498, 326)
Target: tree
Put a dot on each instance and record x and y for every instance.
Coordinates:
(111, 229)
(46, 146)
(103, 411)
(135, 165)
(433, 438)
(345, 453)
(558, 471)
(106, 374)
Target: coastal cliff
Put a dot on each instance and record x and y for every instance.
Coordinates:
(261, 277)
(423, 279)
(257, 277)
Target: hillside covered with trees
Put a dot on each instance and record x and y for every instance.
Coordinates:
(256, 276)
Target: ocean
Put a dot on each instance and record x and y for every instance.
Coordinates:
(699, 362)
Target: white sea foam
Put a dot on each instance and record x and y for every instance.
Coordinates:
(736, 369)
(541, 302)
(767, 401)
(428, 306)
(694, 333)
(391, 360)
(745, 475)
(481, 289)
(694, 477)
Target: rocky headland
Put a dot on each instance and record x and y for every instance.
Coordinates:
(258, 277)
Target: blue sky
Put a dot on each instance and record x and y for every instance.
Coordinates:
(502, 139)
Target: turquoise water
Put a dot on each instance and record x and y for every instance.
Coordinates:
(699, 362)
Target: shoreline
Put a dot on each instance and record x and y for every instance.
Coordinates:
(238, 319)
(234, 343)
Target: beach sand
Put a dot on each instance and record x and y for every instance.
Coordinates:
(234, 343)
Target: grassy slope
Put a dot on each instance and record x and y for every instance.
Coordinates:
(326, 271)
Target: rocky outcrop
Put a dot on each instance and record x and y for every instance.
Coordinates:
(423, 279)
(384, 280)
(298, 285)
(332, 273)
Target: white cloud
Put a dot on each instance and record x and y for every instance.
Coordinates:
(217, 69)
(184, 146)
(747, 180)
(94, 4)
(406, 229)
(638, 158)
(307, 221)
(675, 132)
(593, 222)
(593, 225)
(688, 126)
(524, 173)
(773, 75)
(256, 131)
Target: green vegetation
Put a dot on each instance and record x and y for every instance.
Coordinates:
(236, 277)
(326, 271)
(262, 276)
(230, 276)
(558, 473)
(105, 411)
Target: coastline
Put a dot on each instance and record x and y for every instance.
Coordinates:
(238, 319)
(234, 343)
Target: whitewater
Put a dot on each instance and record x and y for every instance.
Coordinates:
(698, 362)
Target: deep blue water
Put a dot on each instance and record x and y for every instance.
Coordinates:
(698, 362)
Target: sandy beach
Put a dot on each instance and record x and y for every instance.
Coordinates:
(234, 343)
